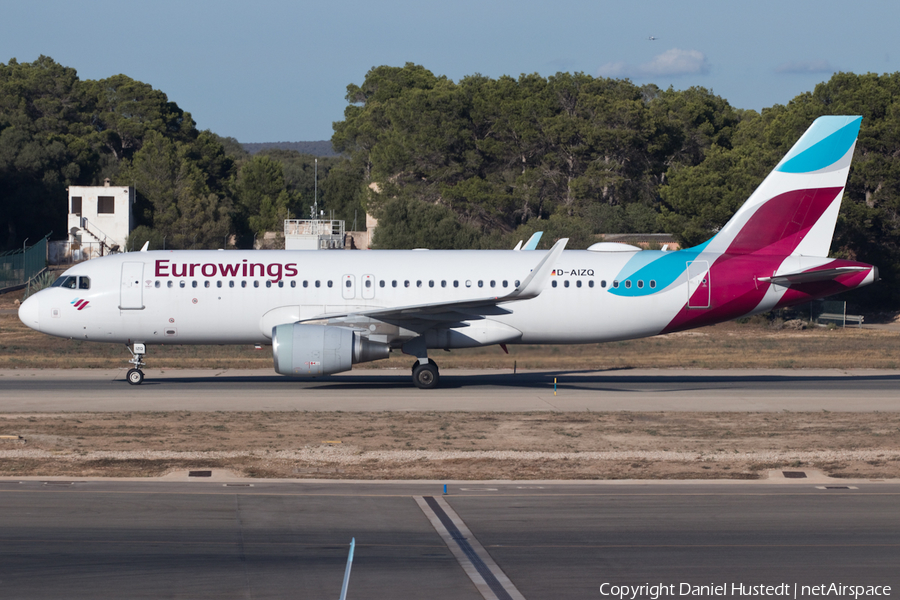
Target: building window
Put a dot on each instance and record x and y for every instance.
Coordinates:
(106, 205)
(76, 205)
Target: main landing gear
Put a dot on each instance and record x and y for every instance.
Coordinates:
(425, 375)
(135, 376)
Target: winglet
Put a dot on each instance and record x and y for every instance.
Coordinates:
(532, 242)
(145, 246)
(518, 246)
(537, 279)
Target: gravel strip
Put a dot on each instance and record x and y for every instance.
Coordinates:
(349, 456)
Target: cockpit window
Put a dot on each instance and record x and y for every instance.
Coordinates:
(66, 281)
(84, 283)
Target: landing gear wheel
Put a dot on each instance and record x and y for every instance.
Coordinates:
(425, 377)
(135, 376)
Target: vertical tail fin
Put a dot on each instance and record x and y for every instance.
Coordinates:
(794, 210)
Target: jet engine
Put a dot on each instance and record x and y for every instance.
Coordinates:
(312, 350)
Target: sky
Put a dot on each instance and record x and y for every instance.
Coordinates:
(277, 70)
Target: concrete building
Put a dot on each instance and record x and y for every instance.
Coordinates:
(100, 219)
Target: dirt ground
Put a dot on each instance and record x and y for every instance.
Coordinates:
(482, 445)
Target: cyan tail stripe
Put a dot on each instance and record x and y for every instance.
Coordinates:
(825, 145)
(662, 267)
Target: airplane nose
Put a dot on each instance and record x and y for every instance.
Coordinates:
(29, 312)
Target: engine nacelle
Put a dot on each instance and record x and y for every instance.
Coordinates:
(312, 350)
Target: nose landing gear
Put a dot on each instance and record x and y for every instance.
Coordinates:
(135, 376)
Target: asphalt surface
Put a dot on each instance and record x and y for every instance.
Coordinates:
(213, 539)
(27, 390)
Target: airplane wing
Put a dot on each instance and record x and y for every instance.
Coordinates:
(799, 277)
(419, 317)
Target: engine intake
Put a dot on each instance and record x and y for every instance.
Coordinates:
(311, 350)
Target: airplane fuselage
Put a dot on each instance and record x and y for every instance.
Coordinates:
(237, 297)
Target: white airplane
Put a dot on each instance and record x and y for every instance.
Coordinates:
(324, 311)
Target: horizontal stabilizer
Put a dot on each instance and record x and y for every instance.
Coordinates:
(787, 279)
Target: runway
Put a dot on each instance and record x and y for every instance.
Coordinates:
(858, 390)
(126, 539)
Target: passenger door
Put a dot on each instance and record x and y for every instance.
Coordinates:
(131, 294)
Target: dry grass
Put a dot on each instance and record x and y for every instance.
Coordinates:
(728, 345)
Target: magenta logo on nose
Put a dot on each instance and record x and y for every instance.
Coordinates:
(79, 303)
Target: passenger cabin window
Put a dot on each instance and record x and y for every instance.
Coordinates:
(330, 283)
(578, 283)
(627, 284)
(206, 284)
(193, 284)
(305, 284)
(181, 283)
(652, 283)
(170, 283)
(294, 283)
(553, 283)
(591, 283)
(231, 284)
(566, 283)
(156, 284)
(243, 284)
(255, 284)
